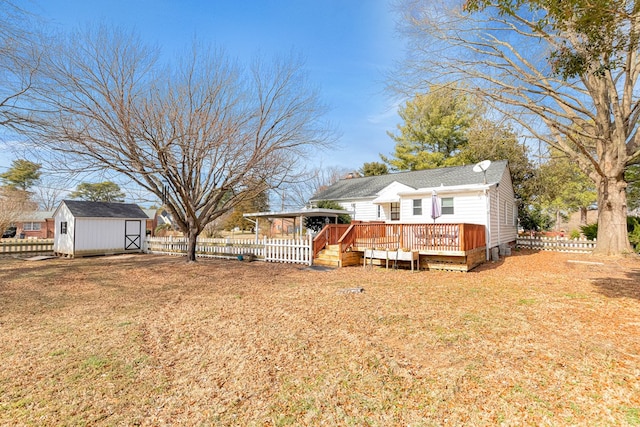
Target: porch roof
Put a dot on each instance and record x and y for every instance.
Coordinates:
(299, 213)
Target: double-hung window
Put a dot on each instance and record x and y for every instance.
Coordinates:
(31, 226)
(395, 211)
(417, 207)
(447, 206)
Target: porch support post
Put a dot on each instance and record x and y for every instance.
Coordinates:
(257, 231)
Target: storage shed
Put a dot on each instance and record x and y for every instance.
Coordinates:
(85, 228)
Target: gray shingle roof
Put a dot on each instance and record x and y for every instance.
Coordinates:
(370, 186)
(85, 209)
(36, 216)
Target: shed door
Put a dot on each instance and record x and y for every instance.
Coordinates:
(132, 235)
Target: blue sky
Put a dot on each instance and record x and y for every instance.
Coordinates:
(348, 46)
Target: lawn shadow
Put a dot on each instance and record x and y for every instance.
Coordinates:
(491, 265)
(620, 287)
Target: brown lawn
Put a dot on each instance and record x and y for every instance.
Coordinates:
(151, 340)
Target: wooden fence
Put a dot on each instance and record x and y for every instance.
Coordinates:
(295, 251)
(9, 247)
(555, 244)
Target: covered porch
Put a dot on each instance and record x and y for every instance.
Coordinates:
(297, 217)
(458, 247)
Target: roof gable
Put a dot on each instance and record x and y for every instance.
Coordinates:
(389, 194)
(85, 209)
(371, 186)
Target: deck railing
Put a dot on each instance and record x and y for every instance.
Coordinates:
(414, 237)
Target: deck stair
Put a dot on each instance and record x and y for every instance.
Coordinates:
(329, 256)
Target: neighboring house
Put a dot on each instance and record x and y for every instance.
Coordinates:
(96, 228)
(152, 221)
(281, 226)
(158, 218)
(465, 196)
(35, 225)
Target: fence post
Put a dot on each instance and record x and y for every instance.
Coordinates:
(267, 254)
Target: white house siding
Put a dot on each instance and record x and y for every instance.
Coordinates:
(504, 227)
(467, 208)
(381, 212)
(508, 231)
(364, 209)
(99, 234)
(63, 243)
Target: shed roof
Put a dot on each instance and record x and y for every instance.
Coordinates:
(370, 186)
(85, 209)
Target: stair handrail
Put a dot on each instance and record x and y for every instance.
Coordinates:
(320, 240)
(346, 240)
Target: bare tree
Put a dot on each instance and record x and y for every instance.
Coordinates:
(297, 194)
(48, 196)
(20, 49)
(199, 135)
(14, 203)
(564, 76)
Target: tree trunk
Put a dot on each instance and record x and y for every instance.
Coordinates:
(192, 240)
(583, 215)
(612, 218)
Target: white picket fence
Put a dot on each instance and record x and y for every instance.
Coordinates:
(555, 244)
(295, 251)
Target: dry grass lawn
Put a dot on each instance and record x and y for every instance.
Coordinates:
(151, 340)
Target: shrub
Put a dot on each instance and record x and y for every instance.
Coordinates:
(590, 231)
(574, 234)
(633, 226)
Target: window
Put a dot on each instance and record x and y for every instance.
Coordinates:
(507, 217)
(31, 226)
(63, 227)
(417, 207)
(395, 211)
(379, 211)
(447, 206)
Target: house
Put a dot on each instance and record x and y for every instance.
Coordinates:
(152, 221)
(35, 225)
(481, 196)
(85, 228)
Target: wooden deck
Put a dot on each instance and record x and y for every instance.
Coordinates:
(459, 247)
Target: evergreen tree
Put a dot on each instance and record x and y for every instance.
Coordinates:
(563, 187)
(260, 203)
(99, 192)
(22, 175)
(317, 223)
(434, 129)
(374, 169)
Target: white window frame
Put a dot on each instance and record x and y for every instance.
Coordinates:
(444, 209)
(417, 207)
(31, 226)
(393, 211)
